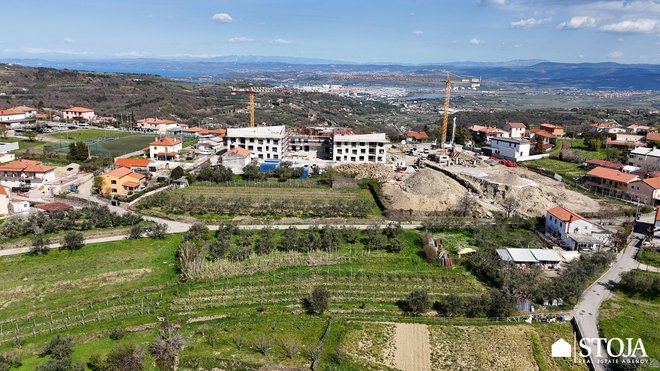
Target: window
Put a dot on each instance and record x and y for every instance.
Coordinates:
(113, 182)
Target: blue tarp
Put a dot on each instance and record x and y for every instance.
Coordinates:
(269, 165)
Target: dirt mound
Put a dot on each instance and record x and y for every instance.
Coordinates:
(535, 193)
(380, 172)
(427, 191)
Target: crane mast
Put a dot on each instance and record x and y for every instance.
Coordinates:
(445, 115)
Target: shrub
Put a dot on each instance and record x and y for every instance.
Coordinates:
(59, 347)
(318, 301)
(417, 302)
(39, 244)
(263, 345)
(73, 241)
(9, 361)
(135, 232)
(116, 334)
(157, 231)
(290, 347)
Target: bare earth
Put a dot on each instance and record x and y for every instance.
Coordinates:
(412, 347)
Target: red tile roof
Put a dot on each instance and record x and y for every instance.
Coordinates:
(543, 133)
(240, 151)
(603, 163)
(120, 172)
(78, 110)
(3, 191)
(54, 206)
(155, 121)
(419, 135)
(564, 215)
(217, 132)
(132, 162)
(610, 174)
(551, 126)
(518, 125)
(23, 109)
(194, 129)
(653, 182)
(650, 137)
(7, 112)
(26, 166)
(136, 176)
(131, 184)
(167, 142)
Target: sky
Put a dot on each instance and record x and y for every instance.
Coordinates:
(374, 31)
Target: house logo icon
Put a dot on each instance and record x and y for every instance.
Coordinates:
(561, 349)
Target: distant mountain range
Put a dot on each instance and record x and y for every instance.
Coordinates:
(532, 73)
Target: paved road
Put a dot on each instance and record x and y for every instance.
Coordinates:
(587, 308)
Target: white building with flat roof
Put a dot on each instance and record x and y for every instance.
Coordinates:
(265, 142)
(645, 158)
(509, 148)
(360, 148)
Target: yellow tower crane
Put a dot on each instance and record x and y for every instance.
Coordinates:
(249, 91)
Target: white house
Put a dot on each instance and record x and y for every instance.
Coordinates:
(574, 231)
(264, 142)
(515, 129)
(5, 151)
(11, 116)
(78, 114)
(645, 158)
(165, 149)
(509, 148)
(153, 125)
(648, 190)
(4, 201)
(27, 111)
(26, 172)
(360, 148)
(236, 159)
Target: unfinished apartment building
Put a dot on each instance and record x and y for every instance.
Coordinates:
(265, 142)
(360, 148)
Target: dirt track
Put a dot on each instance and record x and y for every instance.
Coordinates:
(413, 352)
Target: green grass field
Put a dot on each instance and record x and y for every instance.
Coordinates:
(567, 170)
(125, 143)
(649, 257)
(87, 293)
(626, 317)
(88, 134)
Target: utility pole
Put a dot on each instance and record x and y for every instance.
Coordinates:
(453, 132)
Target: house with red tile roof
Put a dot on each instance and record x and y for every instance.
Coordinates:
(135, 164)
(515, 129)
(610, 178)
(572, 230)
(483, 134)
(553, 129)
(122, 181)
(236, 159)
(28, 111)
(416, 136)
(165, 149)
(546, 137)
(156, 125)
(636, 129)
(78, 114)
(26, 172)
(601, 127)
(647, 190)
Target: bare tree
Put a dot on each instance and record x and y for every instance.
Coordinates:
(510, 205)
(166, 347)
(466, 205)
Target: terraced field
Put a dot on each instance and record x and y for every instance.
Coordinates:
(129, 284)
(213, 202)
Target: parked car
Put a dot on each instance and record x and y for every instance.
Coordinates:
(20, 189)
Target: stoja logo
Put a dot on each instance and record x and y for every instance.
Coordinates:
(602, 350)
(615, 347)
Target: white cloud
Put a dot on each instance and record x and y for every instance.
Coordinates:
(475, 41)
(492, 2)
(240, 39)
(615, 54)
(222, 18)
(632, 26)
(68, 40)
(529, 22)
(518, 45)
(132, 53)
(578, 22)
(418, 32)
(185, 55)
(281, 42)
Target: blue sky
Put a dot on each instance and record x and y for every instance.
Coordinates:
(413, 31)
